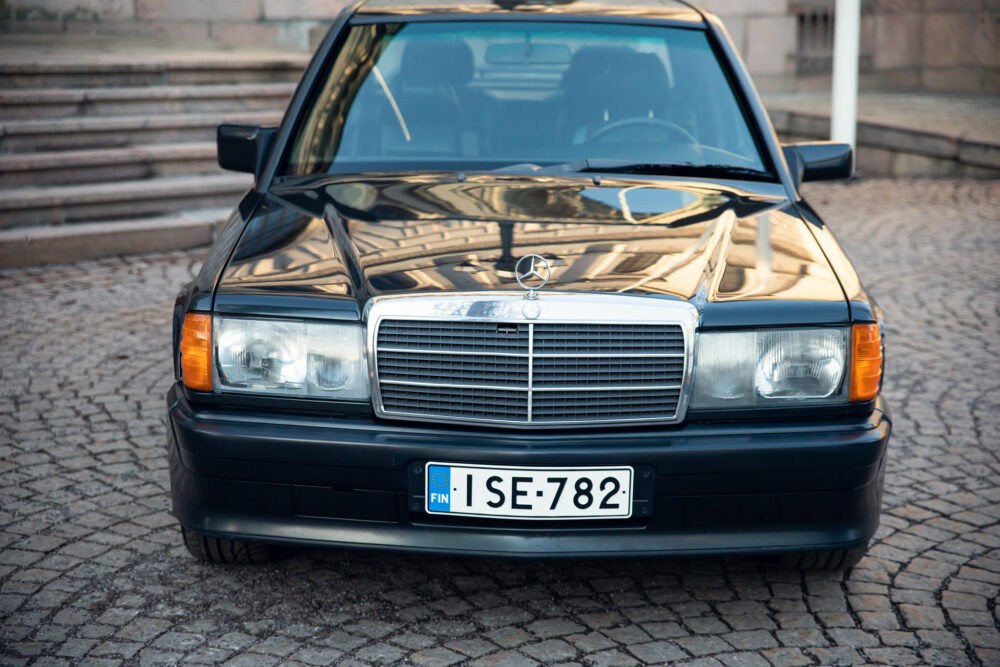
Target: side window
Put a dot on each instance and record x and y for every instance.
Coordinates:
(316, 144)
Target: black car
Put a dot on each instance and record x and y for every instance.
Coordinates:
(527, 279)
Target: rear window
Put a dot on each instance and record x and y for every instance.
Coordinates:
(467, 95)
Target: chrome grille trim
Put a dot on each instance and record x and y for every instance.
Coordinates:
(600, 355)
(525, 355)
(500, 387)
(631, 331)
(531, 365)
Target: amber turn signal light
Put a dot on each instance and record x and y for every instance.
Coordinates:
(196, 351)
(866, 362)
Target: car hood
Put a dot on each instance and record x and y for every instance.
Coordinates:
(708, 242)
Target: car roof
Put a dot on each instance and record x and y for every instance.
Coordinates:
(665, 9)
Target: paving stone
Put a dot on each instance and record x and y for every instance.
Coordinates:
(116, 649)
(656, 652)
(664, 630)
(702, 645)
(380, 653)
(878, 620)
(209, 655)
(751, 640)
(952, 600)
(251, 660)
(412, 640)
(983, 637)
(853, 638)
(504, 659)
(630, 634)
(234, 641)
(917, 616)
(940, 638)
(837, 655)
(892, 656)
(549, 651)
(744, 659)
(706, 625)
(436, 657)
(869, 602)
(602, 620)
(554, 627)
(503, 616)
(750, 622)
(154, 656)
(591, 642)
(508, 637)
(276, 645)
(611, 658)
(372, 629)
(898, 638)
(942, 656)
(988, 656)
(75, 647)
(802, 638)
(472, 647)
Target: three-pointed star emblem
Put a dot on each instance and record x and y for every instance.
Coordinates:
(532, 266)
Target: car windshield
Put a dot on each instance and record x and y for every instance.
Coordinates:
(455, 95)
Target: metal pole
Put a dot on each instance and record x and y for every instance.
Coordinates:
(844, 103)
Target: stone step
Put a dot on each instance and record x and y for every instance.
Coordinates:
(60, 244)
(26, 136)
(67, 102)
(30, 206)
(154, 70)
(107, 164)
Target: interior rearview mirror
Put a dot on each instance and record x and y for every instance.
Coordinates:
(516, 53)
(243, 147)
(819, 161)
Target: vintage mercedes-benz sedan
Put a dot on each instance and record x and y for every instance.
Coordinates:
(527, 279)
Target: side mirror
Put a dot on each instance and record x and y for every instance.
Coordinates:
(819, 161)
(244, 147)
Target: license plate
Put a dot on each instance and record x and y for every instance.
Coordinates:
(528, 493)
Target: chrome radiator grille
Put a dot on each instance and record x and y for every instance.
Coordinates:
(521, 373)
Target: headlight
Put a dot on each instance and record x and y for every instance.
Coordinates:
(769, 367)
(289, 358)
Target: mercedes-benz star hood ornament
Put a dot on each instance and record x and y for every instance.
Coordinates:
(529, 267)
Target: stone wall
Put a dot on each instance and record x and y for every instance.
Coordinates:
(930, 45)
(933, 45)
(278, 23)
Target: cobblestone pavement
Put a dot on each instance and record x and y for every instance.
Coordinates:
(92, 570)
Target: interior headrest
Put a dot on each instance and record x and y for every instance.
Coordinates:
(438, 62)
(615, 64)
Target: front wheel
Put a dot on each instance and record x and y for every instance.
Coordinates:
(214, 550)
(838, 559)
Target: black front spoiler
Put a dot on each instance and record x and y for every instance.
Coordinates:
(760, 487)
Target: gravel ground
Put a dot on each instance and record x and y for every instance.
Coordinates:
(92, 570)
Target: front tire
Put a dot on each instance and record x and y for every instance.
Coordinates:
(214, 550)
(838, 559)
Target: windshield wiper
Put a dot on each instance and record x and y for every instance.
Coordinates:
(613, 166)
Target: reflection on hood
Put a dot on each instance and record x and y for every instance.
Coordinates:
(360, 238)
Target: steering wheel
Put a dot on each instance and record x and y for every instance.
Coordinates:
(658, 123)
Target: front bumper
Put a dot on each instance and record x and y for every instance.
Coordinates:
(761, 487)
